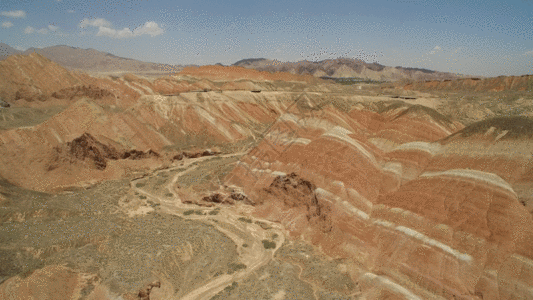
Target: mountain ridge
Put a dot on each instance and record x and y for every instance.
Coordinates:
(93, 60)
(346, 68)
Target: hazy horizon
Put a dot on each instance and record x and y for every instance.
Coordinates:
(488, 38)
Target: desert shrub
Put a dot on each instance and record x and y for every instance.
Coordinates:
(269, 244)
(274, 236)
(188, 212)
(231, 287)
(245, 245)
(169, 195)
(153, 204)
(243, 219)
(213, 212)
(142, 197)
(234, 267)
(140, 185)
(198, 212)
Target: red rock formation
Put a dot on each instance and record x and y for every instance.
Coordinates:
(411, 123)
(425, 218)
(83, 91)
(86, 147)
(233, 73)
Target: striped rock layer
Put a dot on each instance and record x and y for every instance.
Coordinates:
(428, 209)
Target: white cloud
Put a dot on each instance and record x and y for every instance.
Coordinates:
(19, 48)
(29, 30)
(14, 14)
(70, 11)
(529, 53)
(7, 24)
(435, 50)
(151, 28)
(52, 27)
(99, 22)
(104, 29)
(119, 34)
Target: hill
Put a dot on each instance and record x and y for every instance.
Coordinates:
(90, 60)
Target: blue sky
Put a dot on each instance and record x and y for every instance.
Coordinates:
(488, 38)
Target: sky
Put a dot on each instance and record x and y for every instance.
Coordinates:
(487, 38)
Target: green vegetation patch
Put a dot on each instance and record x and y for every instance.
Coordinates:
(517, 127)
(73, 228)
(269, 244)
(235, 267)
(14, 117)
(243, 219)
(231, 287)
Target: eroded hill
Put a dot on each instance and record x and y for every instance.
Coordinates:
(227, 183)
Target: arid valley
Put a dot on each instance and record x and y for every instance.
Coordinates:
(227, 182)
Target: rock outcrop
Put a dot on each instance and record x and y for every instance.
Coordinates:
(86, 147)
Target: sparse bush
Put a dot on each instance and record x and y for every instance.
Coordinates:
(243, 219)
(245, 245)
(188, 212)
(275, 236)
(213, 212)
(269, 244)
(263, 225)
(169, 195)
(231, 287)
(198, 212)
(140, 185)
(142, 197)
(153, 204)
(234, 267)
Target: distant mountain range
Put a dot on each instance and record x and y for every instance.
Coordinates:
(92, 60)
(343, 68)
(6, 50)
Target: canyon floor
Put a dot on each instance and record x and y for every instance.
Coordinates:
(230, 183)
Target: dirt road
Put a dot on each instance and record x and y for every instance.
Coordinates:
(226, 221)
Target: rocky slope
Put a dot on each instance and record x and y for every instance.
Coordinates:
(429, 209)
(96, 61)
(6, 50)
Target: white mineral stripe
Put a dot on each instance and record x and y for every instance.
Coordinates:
(474, 174)
(342, 134)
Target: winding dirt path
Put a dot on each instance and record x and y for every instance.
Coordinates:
(254, 256)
